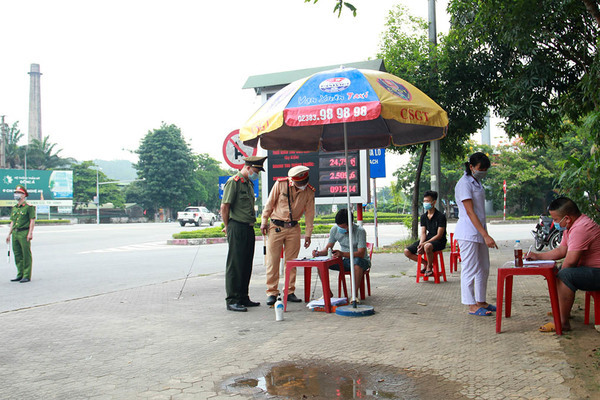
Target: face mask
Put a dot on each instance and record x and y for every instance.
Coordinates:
(253, 176)
(558, 227)
(427, 206)
(479, 175)
(18, 197)
(342, 230)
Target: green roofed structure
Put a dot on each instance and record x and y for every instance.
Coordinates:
(267, 84)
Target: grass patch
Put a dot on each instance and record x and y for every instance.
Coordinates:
(40, 221)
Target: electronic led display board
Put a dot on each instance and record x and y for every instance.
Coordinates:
(327, 173)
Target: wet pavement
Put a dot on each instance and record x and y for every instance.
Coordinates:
(420, 344)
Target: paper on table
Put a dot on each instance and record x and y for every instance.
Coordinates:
(531, 263)
(320, 258)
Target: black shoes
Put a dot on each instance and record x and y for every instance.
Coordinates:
(292, 297)
(24, 280)
(17, 279)
(236, 307)
(271, 300)
(250, 303)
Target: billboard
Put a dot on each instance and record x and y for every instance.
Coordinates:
(51, 188)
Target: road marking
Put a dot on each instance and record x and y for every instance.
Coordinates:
(132, 247)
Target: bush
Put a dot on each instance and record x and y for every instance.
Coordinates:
(41, 221)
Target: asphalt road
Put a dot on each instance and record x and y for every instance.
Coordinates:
(85, 260)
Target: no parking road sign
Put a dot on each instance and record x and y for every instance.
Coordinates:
(234, 151)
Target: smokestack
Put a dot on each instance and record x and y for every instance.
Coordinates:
(35, 104)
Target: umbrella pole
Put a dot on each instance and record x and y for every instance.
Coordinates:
(352, 310)
(353, 286)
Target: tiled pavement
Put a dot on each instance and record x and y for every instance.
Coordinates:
(146, 343)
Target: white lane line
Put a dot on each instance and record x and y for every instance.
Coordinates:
(133, 247)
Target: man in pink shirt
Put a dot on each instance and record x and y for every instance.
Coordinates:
(580, 248)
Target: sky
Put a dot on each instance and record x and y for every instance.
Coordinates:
(113, 70)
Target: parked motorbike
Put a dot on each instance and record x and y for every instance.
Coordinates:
(545, 234)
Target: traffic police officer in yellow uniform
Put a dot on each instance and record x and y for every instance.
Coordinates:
(237, 210)
(22, 221)
(290, 198)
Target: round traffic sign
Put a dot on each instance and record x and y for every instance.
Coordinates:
(234, 151)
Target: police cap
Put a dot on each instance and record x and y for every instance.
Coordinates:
(255, 162)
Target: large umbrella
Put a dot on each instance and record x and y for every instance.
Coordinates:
(345, 108)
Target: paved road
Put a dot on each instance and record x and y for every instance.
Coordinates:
(85, 260)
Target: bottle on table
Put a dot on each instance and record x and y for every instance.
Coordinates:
(329, 253)
(518, 254)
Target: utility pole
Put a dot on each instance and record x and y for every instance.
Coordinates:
(434, 145)
(3, 143)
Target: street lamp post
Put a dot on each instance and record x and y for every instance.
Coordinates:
(97, 199)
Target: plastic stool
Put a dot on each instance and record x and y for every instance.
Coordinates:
(588, 296)
(438, 266)
(366, 278)
(454, 254)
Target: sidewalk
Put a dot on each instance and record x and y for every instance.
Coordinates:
(421, 343)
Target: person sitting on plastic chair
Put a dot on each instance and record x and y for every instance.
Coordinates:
(433, 233)
(339, 233)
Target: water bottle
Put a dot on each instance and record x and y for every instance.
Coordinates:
(329, 253)
(518, 254)
(278, 309)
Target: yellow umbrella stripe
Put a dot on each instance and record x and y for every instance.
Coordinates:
(403, 102)
(269, 117)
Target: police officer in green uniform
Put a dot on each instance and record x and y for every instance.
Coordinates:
(22, 221)
(237, 211)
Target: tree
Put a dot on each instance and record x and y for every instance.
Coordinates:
(166, 164)
(84, 186)
(207, 181)
(339, 5)
(42, 155)
(580, 169)
(13, 136)
(541, 61)
(435, 70)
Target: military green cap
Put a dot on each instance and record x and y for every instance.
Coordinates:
(256, 162)
(21, 189)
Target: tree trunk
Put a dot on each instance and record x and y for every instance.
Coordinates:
(415, 199)
(592, 7)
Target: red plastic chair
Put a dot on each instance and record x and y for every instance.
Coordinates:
(588, 296)
(366, 277)
(454, 254)
(438, 267)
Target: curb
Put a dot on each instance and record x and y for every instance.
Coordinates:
(201, 241)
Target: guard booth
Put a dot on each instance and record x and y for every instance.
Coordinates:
(327, 169)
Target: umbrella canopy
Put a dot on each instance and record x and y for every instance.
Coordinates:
(377, 108)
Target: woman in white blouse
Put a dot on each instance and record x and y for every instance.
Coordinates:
(473, 239)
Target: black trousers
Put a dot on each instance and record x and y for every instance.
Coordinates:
(240, 256)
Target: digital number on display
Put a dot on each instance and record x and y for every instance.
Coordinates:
(338, 189)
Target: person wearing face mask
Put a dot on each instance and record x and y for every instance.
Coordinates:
(473, 239)
(290, 198)
(340, 234)
(580, 249)
(237, 211)
(22, 221)
(433, 233)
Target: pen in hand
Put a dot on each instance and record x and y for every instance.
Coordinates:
(529, 251)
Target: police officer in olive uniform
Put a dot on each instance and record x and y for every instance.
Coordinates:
(237, 210)
(290, 198)
(22, 221)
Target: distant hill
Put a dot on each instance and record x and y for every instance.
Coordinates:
(118, 170)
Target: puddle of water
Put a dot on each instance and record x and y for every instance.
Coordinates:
(314, 380)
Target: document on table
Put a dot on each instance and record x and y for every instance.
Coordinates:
(533, 263)
(320, 258)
